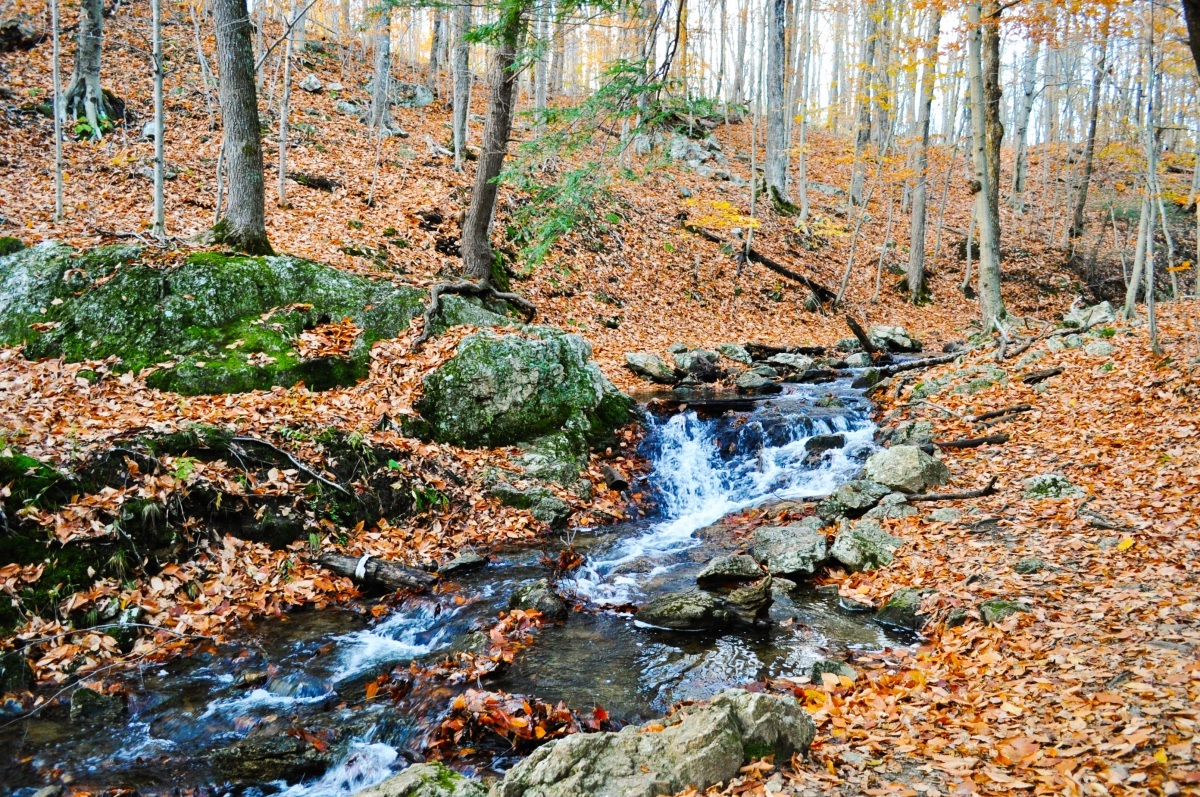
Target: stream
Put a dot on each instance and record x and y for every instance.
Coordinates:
(303, 670)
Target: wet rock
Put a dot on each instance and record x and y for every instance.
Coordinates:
(542, 504)
(650, 366)
(864, 546)
(1050, 485)
(730, 568)
(473, 644)
(819, 444)
(540, 595)
(852, 499)
(794, 362)
(90, 706)
(504, 390)
(753, 383)
(830, 402)
(267, 758)
(735, 352)
(699, 363)
(833, 667)
(687, 611)
(427, 780)
(909, 433)
(463, 563)
(700, 746)
(854, 607)
(55, 790)
(1098, 348)
(894, 339)
(311, 83)
(996, 610)
(907, 469)
(858, 360)
(902, 609)
(751, 603)
(789, 550)
(1030, 565)
(1086, 317)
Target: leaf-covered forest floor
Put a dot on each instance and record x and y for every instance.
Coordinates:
(1092, 690)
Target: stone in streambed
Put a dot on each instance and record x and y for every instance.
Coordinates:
(540, 596)
(651, 367)
(789, 550)
(427, 780)
(906, 468)
(698, 747)
(542, 504)
(261, 759)
(687, 611)
(90, 706)
(730, 568)
(864, 546)
(902, 609)
(834, 667)
(852, 499)
(735, 352)
(753, 383)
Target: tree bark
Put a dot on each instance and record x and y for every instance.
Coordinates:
(478, 258)
(84, 96)
(1021, 137)
(285, 103)
(56, 76)
(777, 144)
(994, 129)
(916, 245)
(436, 49)
(376, 573)
(381, 88)
(462, 81)
(159, 226)
(739, 61)
(1089, 149)
(1139, 259)
(865, 80)
(1191, 12)
(244, 224)
(990, 300)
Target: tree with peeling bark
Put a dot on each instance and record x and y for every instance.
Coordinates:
(244, 225)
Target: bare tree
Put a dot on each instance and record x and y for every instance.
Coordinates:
(84, 96)
(776, 166)
(285, 103)
(1089, 150)
(991, 302)
(57, 77)
(159, 229)
(381, 88)
(462, 80)
(244, 224)
(1021, 135)
(916, 246)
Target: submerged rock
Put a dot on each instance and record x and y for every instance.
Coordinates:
(650, 366)
(687, 611)
(90, 706)
(540, 596)
(426, 780)
(262, 759)
(503, 390)
(865, 546)
(902, 609)
(906, 468)
(699, 747)
(789, 550)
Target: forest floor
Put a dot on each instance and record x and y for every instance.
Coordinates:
(1092, 690)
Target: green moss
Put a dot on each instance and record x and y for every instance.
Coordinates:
(9, 245)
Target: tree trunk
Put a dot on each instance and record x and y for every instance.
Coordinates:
(916, 245)
(1089, 149)
(381, 89)
(462, 81)
(285, 104)
(776, 170)
(990, 300)
(994, 127)
(436, 47)
(865, 80)
(540, 68)
(478, 259)
(56, 76)
(805, 65)
(558, 54)
(1021, 138)
(739, 61)
(1191, 12)
(159, 226)
(84, 96)
(244, 224)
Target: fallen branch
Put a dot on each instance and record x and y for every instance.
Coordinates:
(1020, 349)
(987, 416)
(913, 365)
(864, 339)
(467, 288)
(990, 489)
(297, 464)
(822, 293)
(1040, 376)
(973, 442)
(375, 573)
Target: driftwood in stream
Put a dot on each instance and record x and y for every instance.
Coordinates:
(864, 339)
(980, 493)
(380, 574)
(822, 293)
(763, 351)
(613, 479)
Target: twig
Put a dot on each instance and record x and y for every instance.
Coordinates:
(990, 489)
(1040, 376)
(300, 466)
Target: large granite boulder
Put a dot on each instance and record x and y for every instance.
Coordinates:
(864, 546)
(907, 469)
(699, 747)
(789, 550)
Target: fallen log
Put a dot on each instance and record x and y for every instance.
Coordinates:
(1040, 376)
(990, 489)
(822, 293)
(913, 365)
(973, 442)
(379, 574)
(864, 339)
(1013, 410)
(613, 479)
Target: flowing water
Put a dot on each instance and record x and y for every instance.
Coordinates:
(301, 671)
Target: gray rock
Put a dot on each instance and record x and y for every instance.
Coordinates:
(1086, 317)
(753, 382)
(695, 359)
(795, 362)
(864, 546)
(90, 706)
(1098, 348)
(687, 611)
(541, 503)
(893, 510)
(412, 95)
(335, 86)
(735, 352)
(463, 563)
(852, 499)
(1051, 485)
(730, 568)
(909, 433)
(894, 338)
(1030, 565)
(540, 596)
(557, 457)
(834, 667)
(902, 609)
(945, 515)
(348, 108)
(751, 603)
(819, 444)
(261, 759)
(650, 366)
(700, 746)
(677, 348)
(762, 369)
(789, 550)
(426, 780)
(829, 402)
(906, 468)
(311, 83)
(682, 148)
(996, 610)
(643, 145)
(1072, 341)
(858, 360)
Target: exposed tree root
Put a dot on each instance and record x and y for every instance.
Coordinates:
(467, 288)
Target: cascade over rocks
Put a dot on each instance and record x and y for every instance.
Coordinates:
(700, 746)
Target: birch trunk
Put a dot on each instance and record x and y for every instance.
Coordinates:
(1021, 134)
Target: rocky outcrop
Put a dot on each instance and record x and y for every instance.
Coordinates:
(906, 468)
(792, 550)
(426, 780)
(864, 546)
(502, 390)
(699, 747)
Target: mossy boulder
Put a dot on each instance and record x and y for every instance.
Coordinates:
(995, 610)
(502, 390)
(214, 323)
(865, 546)
(427, 780)
(903, 609)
